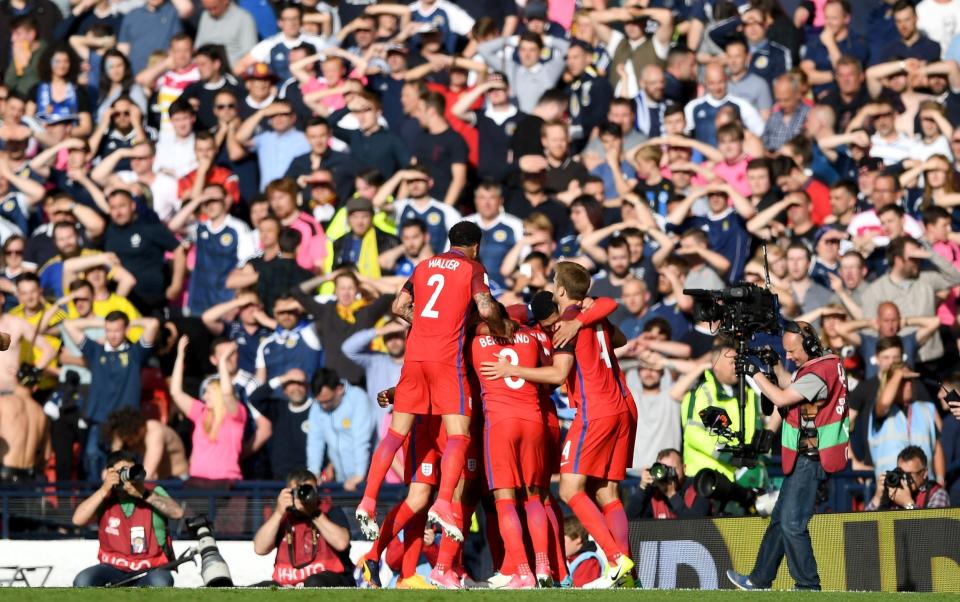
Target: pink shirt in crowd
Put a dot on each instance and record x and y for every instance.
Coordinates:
(947, 310)
(218, 459)
(313, 241)
(734, 174)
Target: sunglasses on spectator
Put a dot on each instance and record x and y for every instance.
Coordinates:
(290, 312)
(225, 106)
(122, 113)
(18, 252)
(832, 241)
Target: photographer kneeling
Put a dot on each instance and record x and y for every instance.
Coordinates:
(665, 492)
(907, 487)
(132, 520)
(310, 535)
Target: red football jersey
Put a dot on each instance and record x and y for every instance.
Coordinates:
(443, 288)
(595, 384)
(510, 397)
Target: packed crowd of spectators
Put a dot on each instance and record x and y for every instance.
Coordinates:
(207, 208)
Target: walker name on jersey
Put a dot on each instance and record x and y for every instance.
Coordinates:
(443, 264)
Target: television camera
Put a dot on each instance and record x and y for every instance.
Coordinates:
(741, 311)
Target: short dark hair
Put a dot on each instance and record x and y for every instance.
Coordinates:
(465, 234)
(417, 223)
(117, 315)
(799, 245)
(660, 324)
(79, 284)
(934, 213)
(900, 5)
(847, 185)
(892, 209)
(912, 452)
(625, 102)
(434, 100)
(610, 129)
(893, 342)
(618, 242)
(289, 240)
(542, 305)
(530, 36)
(300, 475)
(28, 277)
(317, 120)
(116, 457)
(324, 377)
(897, 248)
(181, 105)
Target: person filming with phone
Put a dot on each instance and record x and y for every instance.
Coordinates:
(132, 518)
(310, 535)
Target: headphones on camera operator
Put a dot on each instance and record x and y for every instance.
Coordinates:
(811, 340)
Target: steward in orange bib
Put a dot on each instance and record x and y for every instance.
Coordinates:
(814, 439)
(132, 519)
(310, 535)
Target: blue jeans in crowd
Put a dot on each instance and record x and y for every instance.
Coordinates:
(94, 456)
(787, 532)
(102, 574)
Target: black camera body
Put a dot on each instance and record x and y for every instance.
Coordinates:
(895, 478)
(662, 473)
(132, 474)
(309, 497)
(28, 375)
(742, 310)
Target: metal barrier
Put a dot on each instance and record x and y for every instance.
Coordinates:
(44, 511)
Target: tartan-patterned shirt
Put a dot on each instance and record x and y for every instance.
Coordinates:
(778, 132)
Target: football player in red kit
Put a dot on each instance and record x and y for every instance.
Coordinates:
(599, 444)
(437, 300)
(421, 460)
(514, 438)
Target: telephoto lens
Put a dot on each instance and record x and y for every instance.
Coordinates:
(132, 474)
(213, 569)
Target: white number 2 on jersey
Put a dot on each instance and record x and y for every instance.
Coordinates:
(435, 281)
(511, 356)
(604, 353)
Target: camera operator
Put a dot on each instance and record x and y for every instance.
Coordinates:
(310, 535)
(665, 492)
(814, 443)
(907, 486)
(132, 519)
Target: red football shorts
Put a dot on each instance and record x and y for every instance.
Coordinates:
(432, 388)
(601, 448)
(513, 453)
(423, 450)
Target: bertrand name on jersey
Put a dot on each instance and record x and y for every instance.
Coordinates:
(487, 340)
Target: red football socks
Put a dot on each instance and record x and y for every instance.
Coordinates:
(512, 533)
(616, 520)
(592, 520)
(394, 522)
(381, 461)
(539, 533)
(492, 529)
(412, 544)
(448, 550)
(454, 457)
(557, 556)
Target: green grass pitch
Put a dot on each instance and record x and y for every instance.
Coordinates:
(241, 595)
